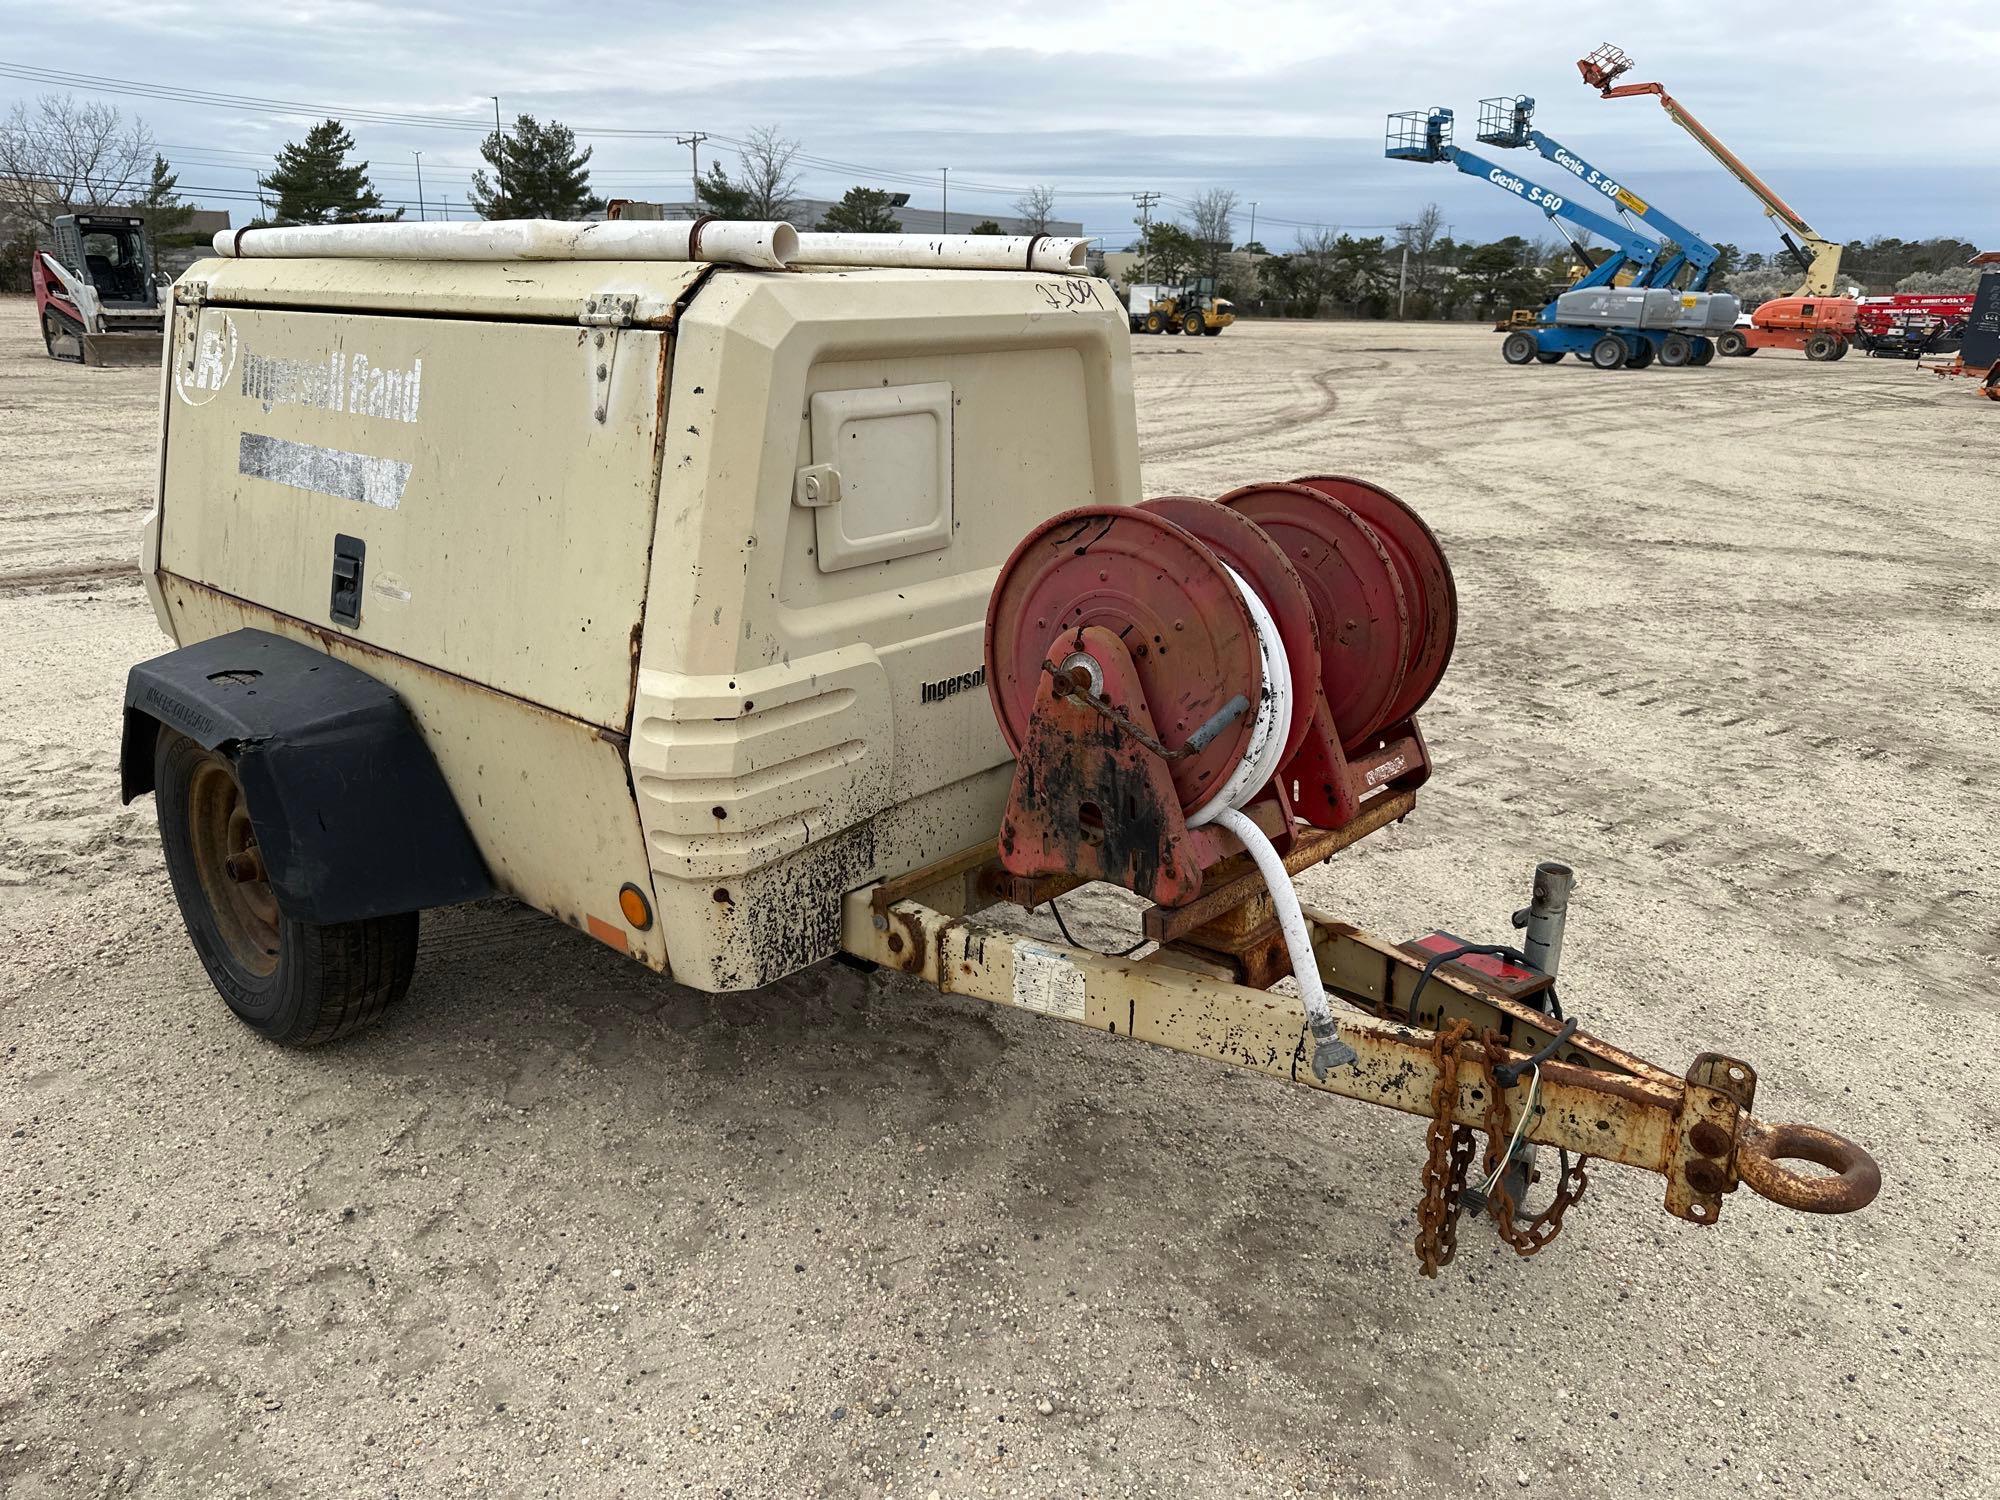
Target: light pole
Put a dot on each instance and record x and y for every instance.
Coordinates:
(420, 183)
(944, 214)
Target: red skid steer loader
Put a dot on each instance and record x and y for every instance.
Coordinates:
(95, 295)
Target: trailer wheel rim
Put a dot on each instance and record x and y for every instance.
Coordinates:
(231, 868)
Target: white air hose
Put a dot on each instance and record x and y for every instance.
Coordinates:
(1260, 762)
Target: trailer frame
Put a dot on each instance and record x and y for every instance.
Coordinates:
(1508, 1060)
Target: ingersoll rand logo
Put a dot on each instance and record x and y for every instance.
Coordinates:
(951, 687)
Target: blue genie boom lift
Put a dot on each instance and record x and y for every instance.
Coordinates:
(1596, 319)
(1508, 122)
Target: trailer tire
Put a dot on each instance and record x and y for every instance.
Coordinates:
(1609, 353)
(1732, 344)
(1676, 350)
(1821, 347)
(298, 983)
(1518, 348)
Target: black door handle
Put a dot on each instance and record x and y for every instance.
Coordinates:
(349, 555)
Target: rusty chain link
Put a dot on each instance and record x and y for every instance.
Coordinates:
(1449, 1156)
(1451, 1147)
(1525, 1236)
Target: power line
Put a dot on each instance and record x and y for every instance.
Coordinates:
(406, 119)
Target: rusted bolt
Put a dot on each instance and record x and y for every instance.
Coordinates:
(1710, 1139)
(1707, 1177)
(245, 868)
(895, 942)
(604, 372)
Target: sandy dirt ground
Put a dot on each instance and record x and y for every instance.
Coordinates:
(558, 1228)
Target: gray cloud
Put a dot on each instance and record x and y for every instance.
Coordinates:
(1861, 119)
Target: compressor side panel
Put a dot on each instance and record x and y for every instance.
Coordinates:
(849, 458)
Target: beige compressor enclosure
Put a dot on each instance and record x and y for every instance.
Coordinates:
(662, 594)
(679, 570)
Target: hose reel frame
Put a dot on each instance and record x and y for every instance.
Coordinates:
(1102, 711)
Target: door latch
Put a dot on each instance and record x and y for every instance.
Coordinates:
(816, 485)
(349, 553)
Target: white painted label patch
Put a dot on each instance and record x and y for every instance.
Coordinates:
(1046, 981)
(211, 360)
(323, 471)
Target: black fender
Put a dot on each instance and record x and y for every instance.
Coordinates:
(352, 815)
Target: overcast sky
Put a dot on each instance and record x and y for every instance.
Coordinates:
(1871, 118)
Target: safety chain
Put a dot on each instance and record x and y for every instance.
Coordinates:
(1526, 1235)
(1449, 1157)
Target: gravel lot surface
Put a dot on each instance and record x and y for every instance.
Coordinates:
(557, 1227)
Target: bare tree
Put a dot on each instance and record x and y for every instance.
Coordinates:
(1315, 268)
(58, 154)
(1036, 207)
(1418, 239)
(1213, 215)
(769, 182)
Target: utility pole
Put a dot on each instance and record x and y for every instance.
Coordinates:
(944, 214)
(496, 113)
(1145, 202)
(693, 143)
(1256, 286)
(1403, 279)
(420, 183)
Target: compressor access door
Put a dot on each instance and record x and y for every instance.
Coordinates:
(473, 493)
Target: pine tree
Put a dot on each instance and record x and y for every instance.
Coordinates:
(538, 173)
(313, 183)
(716, 194)
(166, 213)
(862, 211)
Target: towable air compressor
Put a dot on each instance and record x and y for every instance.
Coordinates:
(745, 598)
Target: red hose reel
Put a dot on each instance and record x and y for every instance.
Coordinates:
(1136, 657)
